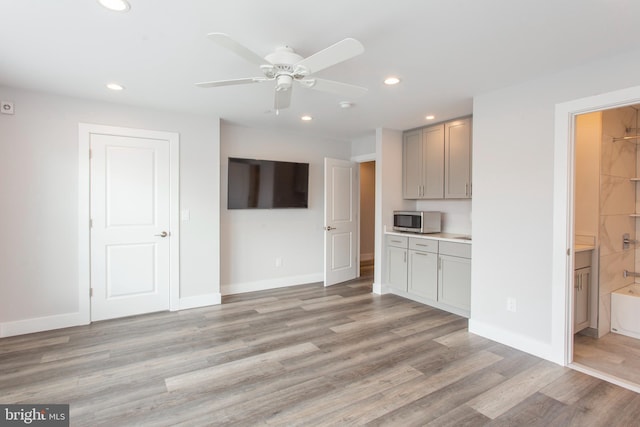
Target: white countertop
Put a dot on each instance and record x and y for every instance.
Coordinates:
(447, 237)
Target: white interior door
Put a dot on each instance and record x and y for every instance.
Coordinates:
(130, 215)
(340, 219)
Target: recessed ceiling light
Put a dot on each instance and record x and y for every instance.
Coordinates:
(391, 80)
(345, 104)
(115, 5)
(306, 118)
(115, 86)
(430, 117)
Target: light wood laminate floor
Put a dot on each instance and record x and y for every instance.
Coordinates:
(613, 354)
(305, 355)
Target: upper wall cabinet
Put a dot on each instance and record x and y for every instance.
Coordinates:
(437, 161)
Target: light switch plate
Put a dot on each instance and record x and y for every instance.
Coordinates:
(6, 107)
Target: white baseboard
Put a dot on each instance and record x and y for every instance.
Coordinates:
(39, 324)
(59, 321)
(517, 341)
(199, 301)
(280, 282)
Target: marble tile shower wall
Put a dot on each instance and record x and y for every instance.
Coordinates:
(617, 202)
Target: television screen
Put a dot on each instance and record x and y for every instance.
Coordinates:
(267, 184)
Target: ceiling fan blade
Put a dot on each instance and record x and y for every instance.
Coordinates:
(344, 89)
(225, 41)
(282, 100)
(334, 54)
(232, 82)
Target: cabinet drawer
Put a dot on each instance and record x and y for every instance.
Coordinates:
(462, 250)
(425, 245)
(582, 259)
(397, 241)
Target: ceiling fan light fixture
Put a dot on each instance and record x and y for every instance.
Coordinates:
(284, 82)
(430, 117)
(115, 5)
(391, 80)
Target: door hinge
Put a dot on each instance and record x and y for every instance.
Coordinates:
(568, 251)
(90, 223)
(90, 292)
(90, 153)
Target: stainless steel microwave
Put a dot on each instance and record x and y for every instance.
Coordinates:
(417, 221)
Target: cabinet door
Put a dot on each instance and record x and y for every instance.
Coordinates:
(397, 268)
(457, 179)
(412, 165)
(454, 281)
(581, 284)
(423, 274)
(433, 162)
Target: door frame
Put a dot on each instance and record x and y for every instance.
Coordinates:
(563, 211)
(364, 158)
(85, 130)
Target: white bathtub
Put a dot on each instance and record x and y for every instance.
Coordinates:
(625, 311)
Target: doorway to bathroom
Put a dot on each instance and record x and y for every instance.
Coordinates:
(605, 326)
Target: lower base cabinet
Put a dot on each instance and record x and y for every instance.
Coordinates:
(433, 272)
(423, 274)
(454, 280)
(396, 251)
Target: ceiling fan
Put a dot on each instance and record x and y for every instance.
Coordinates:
(285, 67)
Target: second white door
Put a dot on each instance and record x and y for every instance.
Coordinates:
(130, 212)
(340, 219)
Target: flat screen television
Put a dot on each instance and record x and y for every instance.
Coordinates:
(267, 184)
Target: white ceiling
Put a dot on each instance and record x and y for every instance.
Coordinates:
(445, 52)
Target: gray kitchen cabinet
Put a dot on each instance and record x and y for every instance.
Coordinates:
(423, 268)
(437, 161)
(423, 163)
(431, 271)
(454, 280)
(397, 262)
(454, 275)
(412, 165)
(457, 143)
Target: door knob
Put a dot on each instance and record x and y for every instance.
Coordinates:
(329, 228)
(163, 234)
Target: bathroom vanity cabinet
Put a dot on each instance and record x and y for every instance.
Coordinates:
(581, 290)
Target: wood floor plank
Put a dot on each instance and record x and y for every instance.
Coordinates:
(238, 368)
(500, 399)
(536, 410)
(570, 387)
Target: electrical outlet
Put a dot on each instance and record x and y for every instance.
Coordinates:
(511, 304)
(6, 107)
